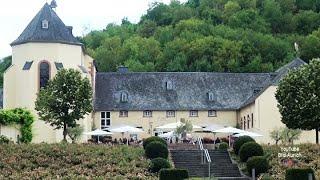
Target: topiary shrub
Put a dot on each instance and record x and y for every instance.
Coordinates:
(156, 149)
(151, 139)
(158, 163)
(173, 174)
(259, 163)
(240, 141)
(301, 174)
(223, 146)
(250, 149)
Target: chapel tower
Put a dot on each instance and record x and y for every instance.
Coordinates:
(44, 47)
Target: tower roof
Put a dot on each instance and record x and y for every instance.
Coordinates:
(56, 31)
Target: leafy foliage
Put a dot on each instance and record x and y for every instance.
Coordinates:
(310, 159)
(4, 140)
(75, 133)
(250, 149)
(292, 174)
(184, 128)
(159, 163)
(4, 64)
(72, 161)
(156, 149)
(259, 163)
(65, 99)
(152, 139)
(223, 146)
(299, 97)
(286, 135)
(240, 141)
(19, 116)
(173, 174)
(205, 35)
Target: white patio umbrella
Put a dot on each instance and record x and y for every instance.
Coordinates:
(167, 134)
(251, 134)
(211, 128)
(98, 132)
(173, 126)
(126, 129)
(229, 130)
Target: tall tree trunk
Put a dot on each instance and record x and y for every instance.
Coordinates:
(64, 132)
(317, 135)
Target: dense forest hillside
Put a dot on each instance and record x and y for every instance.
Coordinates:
(211, 35)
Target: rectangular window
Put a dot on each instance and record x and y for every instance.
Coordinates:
(212, 113)
(193, 113)
(252, 120)
(147, 113)
(123, 113)
(105, 120)
(171, 113)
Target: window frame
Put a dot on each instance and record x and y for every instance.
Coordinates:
(193, 115)
(45, 24)
(39, 72)
(147, 113)
(210, 115)
(170, 111)
(106, 119)
(126, 113)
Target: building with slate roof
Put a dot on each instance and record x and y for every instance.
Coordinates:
(45, 46)
(140, 99)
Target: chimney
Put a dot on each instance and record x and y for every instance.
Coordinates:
(70, 29)
(122, 69)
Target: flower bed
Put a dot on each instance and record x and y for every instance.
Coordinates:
(72, 161)
(309, 159)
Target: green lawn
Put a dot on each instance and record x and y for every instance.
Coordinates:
(72, 161)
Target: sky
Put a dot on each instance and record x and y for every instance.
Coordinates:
(83, 15)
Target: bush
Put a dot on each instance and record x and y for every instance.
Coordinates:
(158, 163)
(250, 149)
(259, 163)
(301, 174)
(173, 174)
(223, 146)
(151, 139)
(156, 149)
(4, 140)
(240, 141)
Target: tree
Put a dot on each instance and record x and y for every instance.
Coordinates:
(184, 128)
(289, 135)
(75, 133)
(276, 135)
(298, 96)
(66, 99)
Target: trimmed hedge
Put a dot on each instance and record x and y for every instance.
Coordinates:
(173, 174)
(159, 163)
(156, 149)
(250, 149)
(259, 163)
(240, 141)
(301, 174)
(223, 146)
(151, 139)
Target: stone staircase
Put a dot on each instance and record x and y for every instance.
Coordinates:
(221, 165)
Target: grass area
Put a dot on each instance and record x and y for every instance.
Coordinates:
(72, 161)
(309, 159)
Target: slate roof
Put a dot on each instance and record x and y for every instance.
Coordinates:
(147, 91)
(57, 31)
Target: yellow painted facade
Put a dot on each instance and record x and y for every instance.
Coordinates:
(159, 118)
(266, 117)
(21, 86)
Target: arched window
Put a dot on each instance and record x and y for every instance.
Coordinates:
(44, 73)
(248, 118)
(124, 97)
(244, 123)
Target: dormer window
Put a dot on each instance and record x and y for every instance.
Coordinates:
(124, 97)
(169, 85)
(210, 96)
(45, 24)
